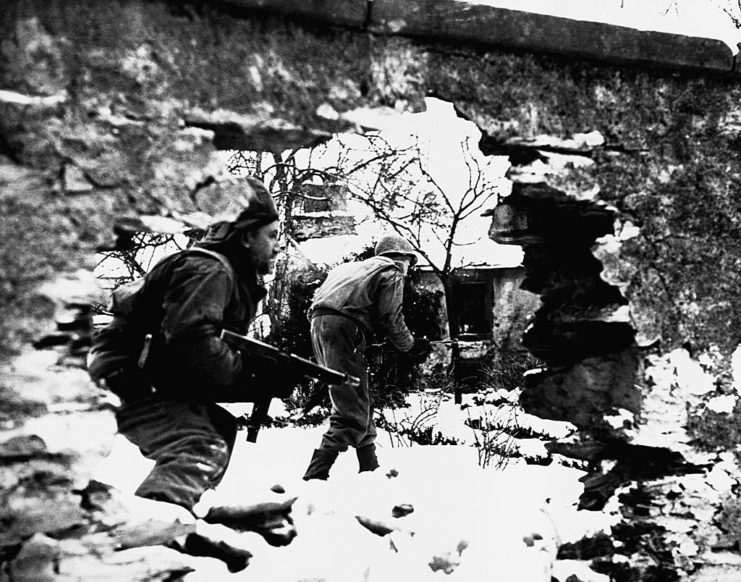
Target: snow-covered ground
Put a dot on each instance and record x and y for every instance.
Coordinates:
(467, 521)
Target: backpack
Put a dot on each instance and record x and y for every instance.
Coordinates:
(125, 340)
(124, 299)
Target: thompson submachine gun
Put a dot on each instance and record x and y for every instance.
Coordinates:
(281, 360)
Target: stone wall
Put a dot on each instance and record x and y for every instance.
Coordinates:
(624, 196)
(111, 118)
(638, 316)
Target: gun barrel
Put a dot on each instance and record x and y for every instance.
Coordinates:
(280, 359)
(301, 365)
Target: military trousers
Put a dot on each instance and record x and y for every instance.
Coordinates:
(340, 343)
(190, 442)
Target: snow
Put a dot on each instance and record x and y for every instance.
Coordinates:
(455, 503)
(720, 477)
(467, 521)
(332, 250)
(484, 252)
(722, 404)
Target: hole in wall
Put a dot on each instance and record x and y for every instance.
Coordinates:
(420, 175)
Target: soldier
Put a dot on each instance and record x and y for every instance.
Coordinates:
(162, 354)
(357, 300)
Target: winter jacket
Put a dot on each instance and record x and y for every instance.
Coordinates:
(371, 293)
(185, 301)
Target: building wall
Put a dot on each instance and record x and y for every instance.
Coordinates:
(511, 310)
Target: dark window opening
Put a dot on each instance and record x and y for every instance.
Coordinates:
(474, 309)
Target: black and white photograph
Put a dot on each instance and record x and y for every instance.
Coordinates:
(370, 291)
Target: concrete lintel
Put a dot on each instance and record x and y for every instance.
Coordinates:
(489, 25)
(351, 13)
(458, 20)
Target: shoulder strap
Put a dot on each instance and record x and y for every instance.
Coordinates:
(137, 301)
(219, 257)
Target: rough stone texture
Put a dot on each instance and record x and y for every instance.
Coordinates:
(478, 23)
(582, 393)
(482, 24)
(636, 410)
(512, 309)
(114, 114)
(144, 93)
(667, 166)
(349, 13)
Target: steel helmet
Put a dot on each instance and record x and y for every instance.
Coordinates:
(393, 244)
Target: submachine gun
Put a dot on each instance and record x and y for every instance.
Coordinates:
(282, 361)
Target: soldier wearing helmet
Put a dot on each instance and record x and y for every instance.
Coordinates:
(356, 301)
(169, 386)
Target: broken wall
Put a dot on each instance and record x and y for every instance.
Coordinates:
(628, 231)
(110, 119)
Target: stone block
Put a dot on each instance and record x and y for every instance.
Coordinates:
(40, 499)
(536, 213)
(346, 13)
(44, 559)
(489, 25)
(36, 63)
(233, 131)
(584, 392)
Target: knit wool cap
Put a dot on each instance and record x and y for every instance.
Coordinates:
(258, 210)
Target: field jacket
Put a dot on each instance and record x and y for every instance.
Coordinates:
(370, 292)
(184, 302)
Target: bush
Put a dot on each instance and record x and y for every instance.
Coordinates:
(295, 337)
(507, 372)
(415, 424)
(391, 375)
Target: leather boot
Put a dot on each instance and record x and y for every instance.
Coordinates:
(367, 460)
(195, 544)
(320, 464)
(273, 521)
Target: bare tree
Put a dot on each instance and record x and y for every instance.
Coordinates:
(402, 191)
(733, 10)
(395, 181)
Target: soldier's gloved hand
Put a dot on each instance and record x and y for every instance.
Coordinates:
(420, 350)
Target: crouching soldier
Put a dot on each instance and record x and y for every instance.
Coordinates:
(163, 356)
(356, 301)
